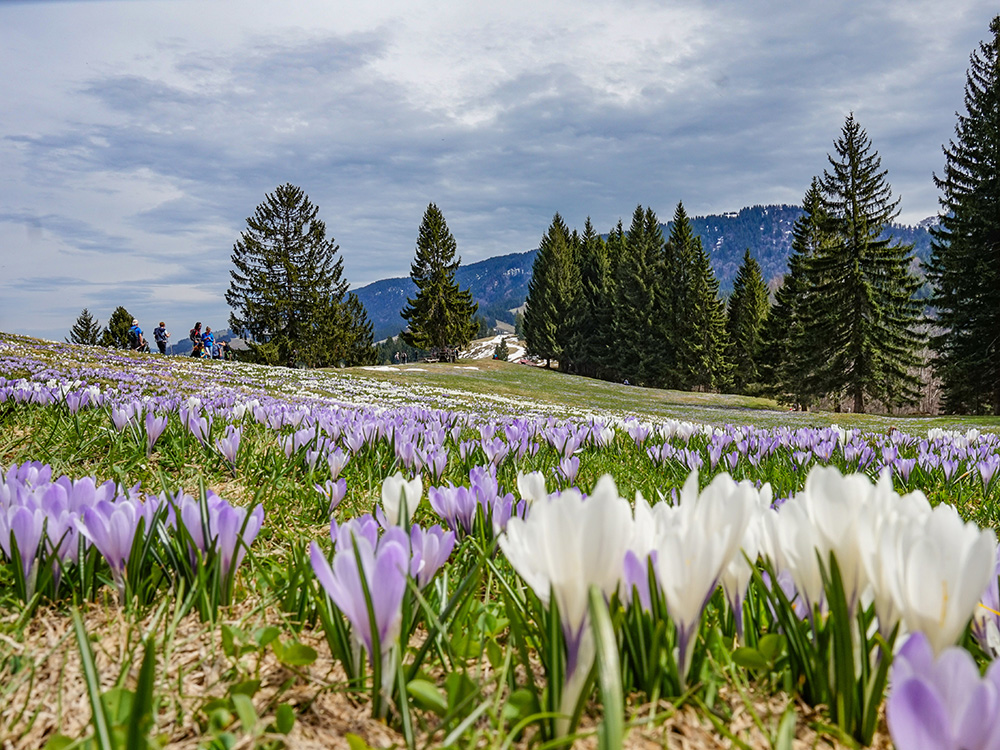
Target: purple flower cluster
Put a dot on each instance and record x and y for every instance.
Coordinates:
(365, 559)
(58, 519)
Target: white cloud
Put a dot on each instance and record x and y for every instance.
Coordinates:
(137, 137)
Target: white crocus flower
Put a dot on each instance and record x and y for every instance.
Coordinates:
(566, 545)
(942, 568)
(400, 498)
(887, 515)
(793, 541)
(737, 574)
(531, 486)
(693, 551)
(838, 505)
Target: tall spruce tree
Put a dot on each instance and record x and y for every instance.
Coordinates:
(86, 330)
(286, 289)
(115, 334)
(694, 316)
(703, 351)
(863, 314)
(441, 315)
(638, 309)
(551, 292)
(592, 334)
(965, 260)
(747, 313)
(788, 361)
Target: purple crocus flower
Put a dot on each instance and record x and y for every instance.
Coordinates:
(569, 467)
(111, 528)
(336, 460)
(987, 468)
(363, 526)
(25, 526)
(120, 417)
(154, 428)
(903, 467)
(384, 567)
(235, 531)
(333, 491)
(429, 550)
(637, 578)
(229, 444)
(76, 400)
(942, 703)
(456, 505)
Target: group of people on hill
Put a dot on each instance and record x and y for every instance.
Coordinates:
(203, 344)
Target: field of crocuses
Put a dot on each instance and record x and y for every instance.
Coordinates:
(219, 555)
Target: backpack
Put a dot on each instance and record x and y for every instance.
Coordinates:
(133, 337)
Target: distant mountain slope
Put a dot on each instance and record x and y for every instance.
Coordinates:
(498, 284)
(501, 283)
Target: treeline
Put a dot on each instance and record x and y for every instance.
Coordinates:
(642, 308)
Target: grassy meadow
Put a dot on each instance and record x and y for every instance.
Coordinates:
(170, 576)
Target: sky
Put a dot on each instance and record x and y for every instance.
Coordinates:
(137, 136)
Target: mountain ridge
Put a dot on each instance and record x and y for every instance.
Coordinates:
(500, 284)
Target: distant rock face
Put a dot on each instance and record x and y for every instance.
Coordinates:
(500, 284)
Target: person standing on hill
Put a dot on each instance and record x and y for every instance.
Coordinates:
(208, 341)
(160, 335)
(196, 340)
(135, 340)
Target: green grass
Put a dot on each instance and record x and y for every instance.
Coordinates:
(576, 395)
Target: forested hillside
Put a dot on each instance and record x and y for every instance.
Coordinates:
(501, 283)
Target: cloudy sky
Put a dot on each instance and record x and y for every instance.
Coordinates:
(137, 136)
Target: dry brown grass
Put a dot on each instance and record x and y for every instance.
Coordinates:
(47, 694)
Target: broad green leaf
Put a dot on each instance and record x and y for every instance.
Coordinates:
(284, 718)
(356, 743)
(263, 636)
(771, 646)
(750, 658)
(294, 653)
(248, 688)
(427, 696)
(245, 711)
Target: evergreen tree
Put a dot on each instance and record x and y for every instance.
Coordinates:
(863, 314)
(788, 359)
(702, 351)
(694, 318)
(748, 308)
(551, 293)
(678, 266)
(965, 261)
(638, 307)
(286, 290)
(86, 330)
(442, 315)
(115, 334)
(609, 362)
(593, 334)
(359, 347)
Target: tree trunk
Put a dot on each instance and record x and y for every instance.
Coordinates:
(859, 401)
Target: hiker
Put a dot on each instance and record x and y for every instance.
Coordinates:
(196, 342)
(135, 340)
(160, 335)
(208, 341)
